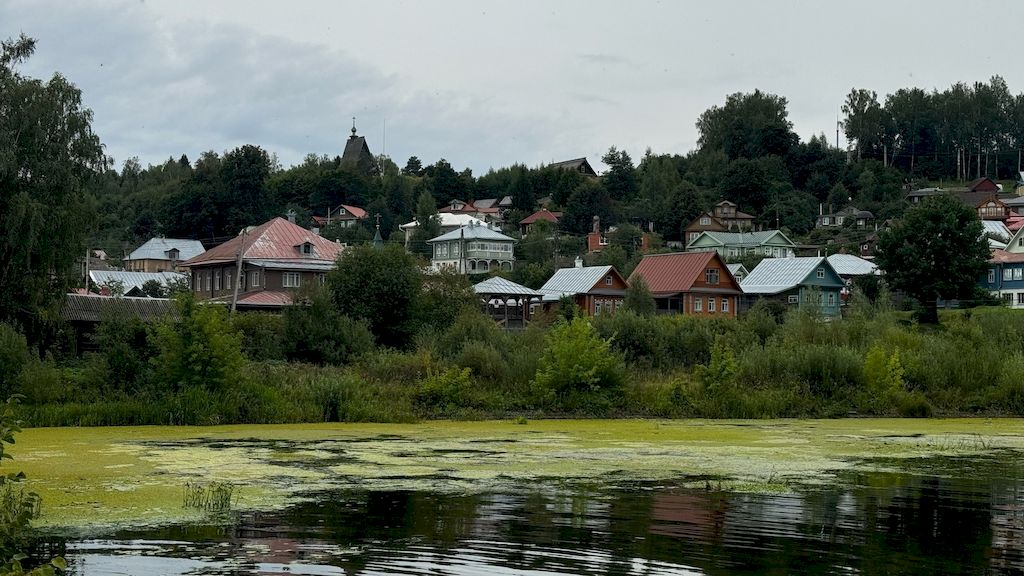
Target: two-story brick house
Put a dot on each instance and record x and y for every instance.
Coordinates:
(278, 258)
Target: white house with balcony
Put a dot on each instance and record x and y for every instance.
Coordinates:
(472, 249)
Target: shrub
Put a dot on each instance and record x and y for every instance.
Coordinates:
(201, 350)
(125, 348)
(316, 332)
(578, 369)
(14, 355)
(483, 360)
(262, 335)
(447, 393)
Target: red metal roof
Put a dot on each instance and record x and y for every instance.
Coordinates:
(675, 272)
(1004, 257)
(277, 239)
(542, 214)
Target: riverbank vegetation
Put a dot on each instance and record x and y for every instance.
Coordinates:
(314, 364)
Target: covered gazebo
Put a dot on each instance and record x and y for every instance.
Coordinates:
(506, 302)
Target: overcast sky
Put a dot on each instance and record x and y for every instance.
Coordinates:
(487, 84)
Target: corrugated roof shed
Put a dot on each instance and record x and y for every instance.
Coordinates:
(774, 275)
(157, 248)
(93, 308)
(672, 273)
(277, 239)
(572, 281)
(850, 265)
(498, 286)
(472, 233)
(132, 280)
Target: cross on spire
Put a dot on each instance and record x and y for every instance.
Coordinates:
(377, 217)
(353, 125)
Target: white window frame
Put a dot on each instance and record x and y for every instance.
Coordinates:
(711, 305)
(711, 274)
(794, 299)
(1007, 274)
(1020, 298)
(291, 279)
(698, 304)
(1018, 273)
(216, 280)
(254, 279)
(991, 275)
(821, 273)
(725, 304)
(705, 221)
(608, 280)
(831, 299)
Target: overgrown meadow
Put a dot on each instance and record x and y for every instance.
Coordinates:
(212, 368)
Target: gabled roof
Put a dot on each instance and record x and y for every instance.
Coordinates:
(1015, 241)
(498, 286)
(674, 272)
(448, 219)
(996, 228)
(983, 183)
(737, 269)
(850, 265)
(742, 238)
(274, 240)
(572, 281)
(542, 214)
(578, 164)
(473, 232)
(485, 203)
(353, 210)
(976, 199)
(157, 248)
(774, 275)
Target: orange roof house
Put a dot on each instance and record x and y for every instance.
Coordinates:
(689, 283)
(278, 257)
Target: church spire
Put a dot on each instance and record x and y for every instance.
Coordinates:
(353, 127)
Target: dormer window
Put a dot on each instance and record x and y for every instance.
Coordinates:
(705, 221)
(173, 254)
(306, 248)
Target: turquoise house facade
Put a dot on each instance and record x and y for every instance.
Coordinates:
(803, 283)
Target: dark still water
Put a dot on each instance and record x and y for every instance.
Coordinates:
(949, 516)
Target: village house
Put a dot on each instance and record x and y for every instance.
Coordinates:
(738, 271)
(448, 222)
(163, 255)
(1005, 276)
(723, 217)
(576, 165)
(595, 289)
(344, 215)
(526, 224)
(692, 283)
(277, 258)
(845, 217)
(806, 283)
(488, 210)
(472, 249)
(597, 241)
(732, 245)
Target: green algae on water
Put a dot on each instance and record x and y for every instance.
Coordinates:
(134, 476)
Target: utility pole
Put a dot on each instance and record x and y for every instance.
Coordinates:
(238, 270)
